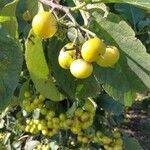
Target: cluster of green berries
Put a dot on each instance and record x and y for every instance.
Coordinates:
(42, 146)
(2, 136)
(49, 123)
(30, 103)
(114, 142)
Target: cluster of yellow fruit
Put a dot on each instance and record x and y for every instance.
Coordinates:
(42, 147)
(44, 25)
(93, 50)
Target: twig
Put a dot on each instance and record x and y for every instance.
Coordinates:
(57, 6)
(88, 31)
(61, 7)
(83, 13)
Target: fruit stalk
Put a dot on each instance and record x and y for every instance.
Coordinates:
(57, 6)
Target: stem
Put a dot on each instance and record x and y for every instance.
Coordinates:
(57, 6)
(80, 6)
(92, 101)
(83, 13)
(88, 31)
(76, 36)
(72, 19)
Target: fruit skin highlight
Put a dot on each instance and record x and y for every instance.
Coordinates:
(65, 58)
(81, 69)
(92, 49)
(110, 57)
(44, 24)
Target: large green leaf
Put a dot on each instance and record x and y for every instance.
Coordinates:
(10, 67)
(8, 18)
(109, 104)
(132, 144)
(132, 73)
(38, 69)
(32, 7)
(72, 87)
(133, 14)
(140, 3)
(4, 2)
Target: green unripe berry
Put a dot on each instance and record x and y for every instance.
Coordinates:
(119, 142)
(69, 122)
(99, 134)
(85, 117)
(88, 106)
(26, 102)
(36, 121)
(50, 124)
(85, 140)
(27, 94)
(78, 112)
(55, 120)
(45, 132)
(40, 127)
(27, 128)
(62, 117)
(44, 111)
(51, 114)
(95, 139)
(116, 135)
(75, 130)
(117, 147)
(106, 140)
(41, 98)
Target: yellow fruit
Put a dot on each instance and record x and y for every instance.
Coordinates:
(110, 57)
(65, 58)
(81, 69)
(92, 49)
(44, 24)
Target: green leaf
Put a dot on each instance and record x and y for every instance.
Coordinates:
(109, 104)
(140, 3)
(32, 7)
(132, 73)
(8, 18)
(10, 67)
(132, 144)
(4, 2)
(24, 88)
(131, 13)
(99, 7)
(38, 69)
(72, 87)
